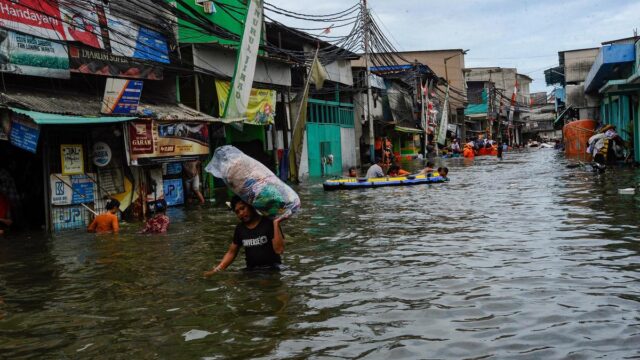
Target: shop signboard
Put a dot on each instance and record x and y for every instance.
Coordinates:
(24, 134)
(134, 41)
(101, 154)
(72, 158)
(69, 218)
(121, 96)
(173, 192)
(262, 104)
(86, 60)
(30, 55)
(151, 141)
(72, 189)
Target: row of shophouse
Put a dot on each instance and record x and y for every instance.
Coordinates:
(602, 84)
(111, 100)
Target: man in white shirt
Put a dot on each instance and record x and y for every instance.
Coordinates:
(376, 169)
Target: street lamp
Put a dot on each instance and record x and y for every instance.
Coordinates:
(446, 77)
(446, 72)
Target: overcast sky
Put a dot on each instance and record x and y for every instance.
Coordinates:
(526, 34)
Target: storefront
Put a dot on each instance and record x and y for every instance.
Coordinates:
(75, 163)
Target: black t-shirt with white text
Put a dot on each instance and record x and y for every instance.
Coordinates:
(257, 243)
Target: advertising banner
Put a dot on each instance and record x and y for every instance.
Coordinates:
(29, 55)
(99, 62)
(72, 158)
(56, 20)
(149, 140)
(24, 134)
(121, 96)
(238, 100)
(34, 17)
(130, 40)
(260, 109)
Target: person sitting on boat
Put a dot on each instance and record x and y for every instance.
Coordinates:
(353, 172)
(395, 170)
(375, 170)
(428, 169)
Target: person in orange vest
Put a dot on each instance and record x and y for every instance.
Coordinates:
(468, 151)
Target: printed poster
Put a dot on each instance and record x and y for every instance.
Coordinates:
(261, 108)
(72, 159)
(149, 140)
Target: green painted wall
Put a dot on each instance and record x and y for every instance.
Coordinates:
(317, 134)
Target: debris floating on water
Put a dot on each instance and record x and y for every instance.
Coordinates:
(195, 334)
(627, 191)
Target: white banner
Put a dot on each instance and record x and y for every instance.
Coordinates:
(246, 64)
(444, 121)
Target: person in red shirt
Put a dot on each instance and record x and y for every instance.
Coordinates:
(5, 214)
(159, 222)
(107, 222)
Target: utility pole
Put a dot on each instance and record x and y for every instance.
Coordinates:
(365, 14)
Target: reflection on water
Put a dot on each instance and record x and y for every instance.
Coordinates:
(521, 258)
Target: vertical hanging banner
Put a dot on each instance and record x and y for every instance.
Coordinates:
(444, 120)
(121, 96)
(246, 64)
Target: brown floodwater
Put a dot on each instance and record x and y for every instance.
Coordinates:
(523, 258)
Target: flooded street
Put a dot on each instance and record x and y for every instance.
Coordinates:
(521, 258)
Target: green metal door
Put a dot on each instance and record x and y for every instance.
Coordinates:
(324, 140)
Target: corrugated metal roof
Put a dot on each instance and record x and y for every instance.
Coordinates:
(75, 104)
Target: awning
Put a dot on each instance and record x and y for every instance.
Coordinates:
(56, 119)
(408, 130)
(75, 108)
(558, 120)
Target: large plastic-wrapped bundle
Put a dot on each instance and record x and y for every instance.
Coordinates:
(253, 182)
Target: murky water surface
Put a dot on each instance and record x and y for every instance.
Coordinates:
(523, 258)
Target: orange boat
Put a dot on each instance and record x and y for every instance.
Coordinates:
(576, 134)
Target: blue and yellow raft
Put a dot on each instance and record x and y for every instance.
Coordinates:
(359, 183)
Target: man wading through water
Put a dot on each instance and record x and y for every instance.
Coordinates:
(261, 238)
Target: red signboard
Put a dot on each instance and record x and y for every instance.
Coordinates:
(34, 17)
(141, 138)
(84, 21)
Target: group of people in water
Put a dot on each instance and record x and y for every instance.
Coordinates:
(107, 222)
